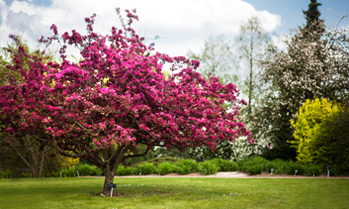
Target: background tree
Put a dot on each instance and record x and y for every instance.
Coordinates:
(311, 116)
(217, 60)
(310, 68)
(252, 42)
(115, 98)
(314, 23)
(21, 152)
(332, 141)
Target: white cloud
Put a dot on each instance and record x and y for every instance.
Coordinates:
(183, 25)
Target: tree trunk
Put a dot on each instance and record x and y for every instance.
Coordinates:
(109, 173)
(109, 178)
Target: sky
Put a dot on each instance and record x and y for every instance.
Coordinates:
(181, 25)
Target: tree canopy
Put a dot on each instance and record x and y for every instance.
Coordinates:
(116, 97)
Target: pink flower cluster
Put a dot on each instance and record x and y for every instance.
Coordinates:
(116, 97)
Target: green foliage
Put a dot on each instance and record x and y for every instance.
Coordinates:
(145, 169)
(225, 165)
(245, 163)
(157, 161)
(165, 168)
(187, 166)
(208, 168)
(68, 172)
(122, 171)
(332, 141)
(292, 167)
(280, 166)
(84, 170)
(6, 173)
(310, 117)
(284, 152)
(254, 169)
(88, 170)
(313, 169)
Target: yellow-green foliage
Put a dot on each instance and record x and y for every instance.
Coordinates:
(309, 119)
(67, 162)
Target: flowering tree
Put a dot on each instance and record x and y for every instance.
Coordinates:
(117, 97)
(310, 68)
(33, 154)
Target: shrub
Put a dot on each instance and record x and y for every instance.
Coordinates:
(145, 169)
(6, 173)
(208, 168)
(157, 161)
(280, 166)
(310, 119)
(254, 169)
(88, 170)
(292, 167)
(332, 141)
(122, 171)
(225, 165)
(68, 172)
(165, 168)
(245, 163)
(187, 166)
(313, 169)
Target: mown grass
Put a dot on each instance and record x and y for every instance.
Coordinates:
(176, 193)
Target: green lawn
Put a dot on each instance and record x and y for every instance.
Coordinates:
(176, 193)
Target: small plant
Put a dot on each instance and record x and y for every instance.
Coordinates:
(145, 169)
(122, 171)
(208, 168)
(187, 166)
(165, 168)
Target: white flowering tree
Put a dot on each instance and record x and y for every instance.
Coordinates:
(310, 68)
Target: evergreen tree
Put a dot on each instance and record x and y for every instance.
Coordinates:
(313, 21)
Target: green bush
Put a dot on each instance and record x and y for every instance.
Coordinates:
(68, 172)
(187, 166)
(334, 170)
(254, 169)
(145, 169)
(6, 173)
(208, 168)
(332, 142)
(280, 166)
(245, 163)
(165, 168)
(313, 169)
(292, 167)
(88, 170)
(157, 161)
(225, 165)
(122, 171)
